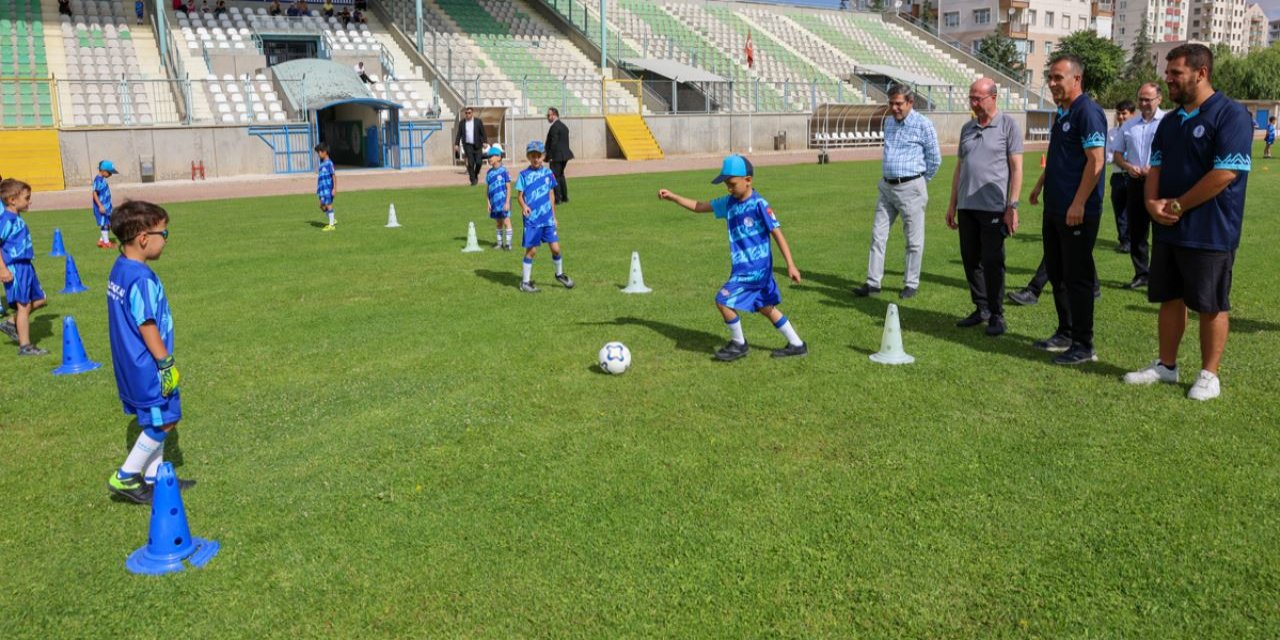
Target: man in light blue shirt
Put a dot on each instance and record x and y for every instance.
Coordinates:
(911, 159)
(1133, 155)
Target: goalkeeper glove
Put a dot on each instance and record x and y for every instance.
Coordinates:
(169, 376)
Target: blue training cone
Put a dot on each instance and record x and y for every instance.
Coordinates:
(58, 250)
(74, 359)
(73, 278)
(169, 539)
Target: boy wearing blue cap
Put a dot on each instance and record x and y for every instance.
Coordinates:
(498, 195)
(751, 287)
(535, 186)
(102, 202)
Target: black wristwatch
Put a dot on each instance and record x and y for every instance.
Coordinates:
(1012, 205)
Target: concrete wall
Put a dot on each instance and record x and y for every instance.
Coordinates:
(225, 151)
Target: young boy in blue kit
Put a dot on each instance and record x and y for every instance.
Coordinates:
(535, 186)
(21, 285)
(752, 224)
(498, 194)
(325, 186)
(140, 328)
(102, 202)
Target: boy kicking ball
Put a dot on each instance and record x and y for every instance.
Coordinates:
(751, 287)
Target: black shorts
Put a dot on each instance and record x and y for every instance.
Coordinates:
(1199, 277)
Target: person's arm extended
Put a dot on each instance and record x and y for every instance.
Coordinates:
(792, 271)
(1093, 165)
(695, 206)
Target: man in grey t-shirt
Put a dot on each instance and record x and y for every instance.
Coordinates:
(984, 202)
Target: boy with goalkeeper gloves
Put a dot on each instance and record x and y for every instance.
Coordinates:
(141, 334)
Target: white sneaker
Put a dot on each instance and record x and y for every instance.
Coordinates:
(1155, 372)
(1206, 387)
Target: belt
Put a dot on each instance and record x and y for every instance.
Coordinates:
(902, 180)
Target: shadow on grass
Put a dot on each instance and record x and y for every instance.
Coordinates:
(42, 326)
(172, 443)
(504, 278)
(1238, 325)
(316, 224)
(686, 339)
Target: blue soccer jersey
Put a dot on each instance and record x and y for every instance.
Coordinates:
(1271, 133)
(750, 249)
(324, 181)
(1081, 126)
(103, 190)
(536, 185)
(15, 239)
(1218, 135)
(134, 297)
(496, 180)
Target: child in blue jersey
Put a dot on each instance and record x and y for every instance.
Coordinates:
(21, 286)
(752, 224)
(140, 328)
(102, 202)
(535, 186)
(325, 185)
(1271, 136)
(498, 195)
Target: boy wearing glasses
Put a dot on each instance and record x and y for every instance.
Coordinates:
(140, 328)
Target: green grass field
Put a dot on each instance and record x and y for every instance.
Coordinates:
(391, 441)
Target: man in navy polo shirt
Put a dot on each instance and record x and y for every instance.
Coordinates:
(1200, 162)
(1072, 188)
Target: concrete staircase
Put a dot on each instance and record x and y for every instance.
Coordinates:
(633, 137)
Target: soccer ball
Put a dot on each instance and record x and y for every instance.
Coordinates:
(615, 358)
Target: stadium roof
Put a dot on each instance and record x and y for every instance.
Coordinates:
(310, 84)
(674, 70)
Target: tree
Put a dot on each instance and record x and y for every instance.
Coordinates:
(999, 51)
(1255, 76)
(1102, 59)
(1141, 67)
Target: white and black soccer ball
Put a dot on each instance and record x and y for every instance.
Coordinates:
(615, 358)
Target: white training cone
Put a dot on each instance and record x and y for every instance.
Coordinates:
(392, 223)
(635, 284)
(891, 351)
(472, 245)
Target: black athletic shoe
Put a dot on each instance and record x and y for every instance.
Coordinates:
(565, 280)
(1136, 283)
(1022, 297)
(732, 351)
(131, 488)
(1077, 354)
(529, 287)
(907, 293)
(866, 290)
(995, 326)
(972, 320)
(9, 329)
(1053, 344)
(791, 350)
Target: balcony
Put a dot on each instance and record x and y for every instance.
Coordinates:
(1006, 5)
(1014, 29)
(1102, 9)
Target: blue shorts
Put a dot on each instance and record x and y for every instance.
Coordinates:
(534, 236)
(749, 297)
(326, 199)
(25, 287)
(499, 215)
(102, 220)
(167, 411)
(1270, 140)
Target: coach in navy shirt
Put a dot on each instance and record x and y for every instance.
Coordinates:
(1200, 162)
(1072, 188)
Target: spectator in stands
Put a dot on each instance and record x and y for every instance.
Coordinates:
(191, 7)
(179, 5)
(274, 9)
(140, 10)
(204, 7)
(358, 17)
(363, 76)
(558, 152)
(221, 8)
(64, 7)
(292, 11)
(345, 16)
(327, 9)
(470, 140)
(303, 9)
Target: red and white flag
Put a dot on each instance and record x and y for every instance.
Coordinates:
(749, 50)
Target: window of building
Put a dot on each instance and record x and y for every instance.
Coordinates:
(982, 16)
(1048, 18)
(1031, 16)
(1048, 47)
(951, 19)
(1031, 47)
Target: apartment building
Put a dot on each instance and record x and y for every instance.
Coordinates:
(1035, 26)
(1242, 26)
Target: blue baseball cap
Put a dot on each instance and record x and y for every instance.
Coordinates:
(494, 150)
(735, 166)
(108, 166)
(537, 146)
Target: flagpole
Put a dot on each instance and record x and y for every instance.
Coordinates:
(750, 103)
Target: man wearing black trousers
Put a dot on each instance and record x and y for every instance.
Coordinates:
(1133, 155)
(558, 153)
(471, 141)
(1119, 180)
(1072, 189)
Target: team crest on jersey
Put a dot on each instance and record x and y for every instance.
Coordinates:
(1198, 132)
(1066, 126)
(724, 292)
(748, 222)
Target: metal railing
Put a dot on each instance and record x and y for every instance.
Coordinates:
(29, 103)
(121, 102)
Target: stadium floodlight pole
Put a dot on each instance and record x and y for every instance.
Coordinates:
(604, 43)
(417, 7)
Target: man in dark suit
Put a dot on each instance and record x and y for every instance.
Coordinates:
(470, 140)
(558, 153)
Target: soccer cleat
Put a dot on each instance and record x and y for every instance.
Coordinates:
(564, 280)
(732, 351)
(1053, 344)
(866, 290)
(131, 488)
(972, 320)
(790, 350)
(1206, 387)
(1024, 297)
(908, 293)
(529, 287)
(1154, 373)
(496, 246)
(102, 245)
(32, 350)
(506, 247)
(995, 326)
(9, 329)
(329, 227)
(1077, 354)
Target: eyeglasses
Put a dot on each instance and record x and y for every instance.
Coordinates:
(980, 98)
(163, 234)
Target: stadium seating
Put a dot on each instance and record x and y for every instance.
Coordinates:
(244, 99)
(25, 103)
(105, 85)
